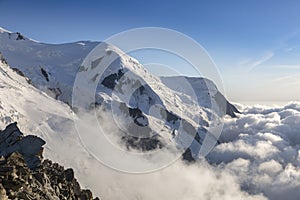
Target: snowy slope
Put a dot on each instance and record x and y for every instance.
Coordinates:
(146, 106)
(50, 67)
(206, 92)
(52, 120)
(128, 88)
(35, 111)
(39, 114)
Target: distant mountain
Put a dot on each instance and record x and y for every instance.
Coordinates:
(164, 111)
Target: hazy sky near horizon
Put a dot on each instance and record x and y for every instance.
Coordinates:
(255, 43)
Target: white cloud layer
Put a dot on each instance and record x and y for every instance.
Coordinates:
(262, 148)
(179, 180)
(259, 158)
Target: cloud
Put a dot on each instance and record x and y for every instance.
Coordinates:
(179, 180)
(267, 56)
(259, 158)
(287, 66)
(262, 148)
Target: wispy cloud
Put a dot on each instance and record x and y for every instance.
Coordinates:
(286, 78)
(267, 56)
(284, 45)
(291, 80)
(287, 66)
(294, 50)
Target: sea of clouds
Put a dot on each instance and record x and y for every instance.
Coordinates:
(258, 158)
(261, 147)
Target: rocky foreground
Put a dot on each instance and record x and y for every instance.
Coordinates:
(25, 175)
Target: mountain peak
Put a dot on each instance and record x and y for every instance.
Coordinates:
(9, 35)
(2, 30)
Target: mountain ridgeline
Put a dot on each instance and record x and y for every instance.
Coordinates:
(125, 88)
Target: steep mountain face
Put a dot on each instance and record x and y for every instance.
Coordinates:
(23, 175)
(206, 92)
(153, 111)
(144, 106)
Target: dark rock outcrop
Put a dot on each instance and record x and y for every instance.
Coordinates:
(2, 59)
(45, 74)
(187, 156)
(30, 147)
(143, 144)
(229, 109)
(56, 92)
(111, 80)
(20, 36)
(45, 180)
(18, 71)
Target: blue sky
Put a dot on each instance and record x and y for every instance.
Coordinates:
(255, 43)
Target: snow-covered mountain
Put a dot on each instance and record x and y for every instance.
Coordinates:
(50, 67)
(153, 110)
(258, 156)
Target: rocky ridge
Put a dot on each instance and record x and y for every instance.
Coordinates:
(24, 175)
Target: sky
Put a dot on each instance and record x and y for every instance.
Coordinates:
(254, 43)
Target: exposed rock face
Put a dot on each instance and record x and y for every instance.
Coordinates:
(30, 147)
(20, 36)
(2, 59)
(44, 180)
(229, 109)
